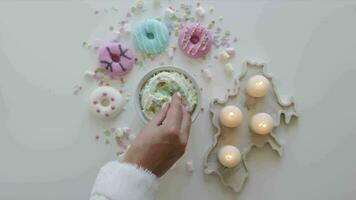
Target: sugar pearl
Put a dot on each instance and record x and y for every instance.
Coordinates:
(261, 123)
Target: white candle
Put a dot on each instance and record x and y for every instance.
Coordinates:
(229, 156)
(261, 123)
(231, 116)
(257, 86)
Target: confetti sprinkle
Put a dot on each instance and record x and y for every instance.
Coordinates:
(97, 43)
(189, 166)
(170, 12)
(77, 90)
(176, 31)
(171, 52)
(211, 9)
(89, 74)
(107, 132)
(127, 28)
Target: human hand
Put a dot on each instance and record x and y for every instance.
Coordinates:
(163, 140)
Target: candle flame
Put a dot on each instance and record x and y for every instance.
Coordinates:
(262, 125)
(228, 156)
(259, 83)
(231, 114)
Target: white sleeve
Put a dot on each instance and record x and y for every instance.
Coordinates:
(117, 181)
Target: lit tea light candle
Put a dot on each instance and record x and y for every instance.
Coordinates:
(257, 86)
(231, 116)
(261, 123)
(229, 156)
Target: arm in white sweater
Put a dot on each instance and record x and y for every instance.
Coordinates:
(118, 181)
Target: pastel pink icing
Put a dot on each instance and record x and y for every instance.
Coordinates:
(195, 40)
(116, 58)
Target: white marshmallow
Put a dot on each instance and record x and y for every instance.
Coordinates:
(228, 69)
(231, 51)
(169, 13)
(207, 74)
(127, 28)
(224, 56)
(200, 11)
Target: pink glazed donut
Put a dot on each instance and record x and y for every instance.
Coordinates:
(195, 40)
(116, 58)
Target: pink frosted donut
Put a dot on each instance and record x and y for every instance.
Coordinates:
(195, 40)
(116, 58)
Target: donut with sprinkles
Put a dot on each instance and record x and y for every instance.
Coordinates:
(106, 102)
(195, 40)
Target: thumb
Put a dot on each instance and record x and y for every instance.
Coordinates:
(161, 116)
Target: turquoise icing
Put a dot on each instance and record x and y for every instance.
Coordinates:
(151, 36)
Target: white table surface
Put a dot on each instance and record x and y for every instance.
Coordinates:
(47, 145)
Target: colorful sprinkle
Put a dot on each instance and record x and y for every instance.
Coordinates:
(189, 166)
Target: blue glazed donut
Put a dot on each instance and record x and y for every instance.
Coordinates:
(151, 36)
